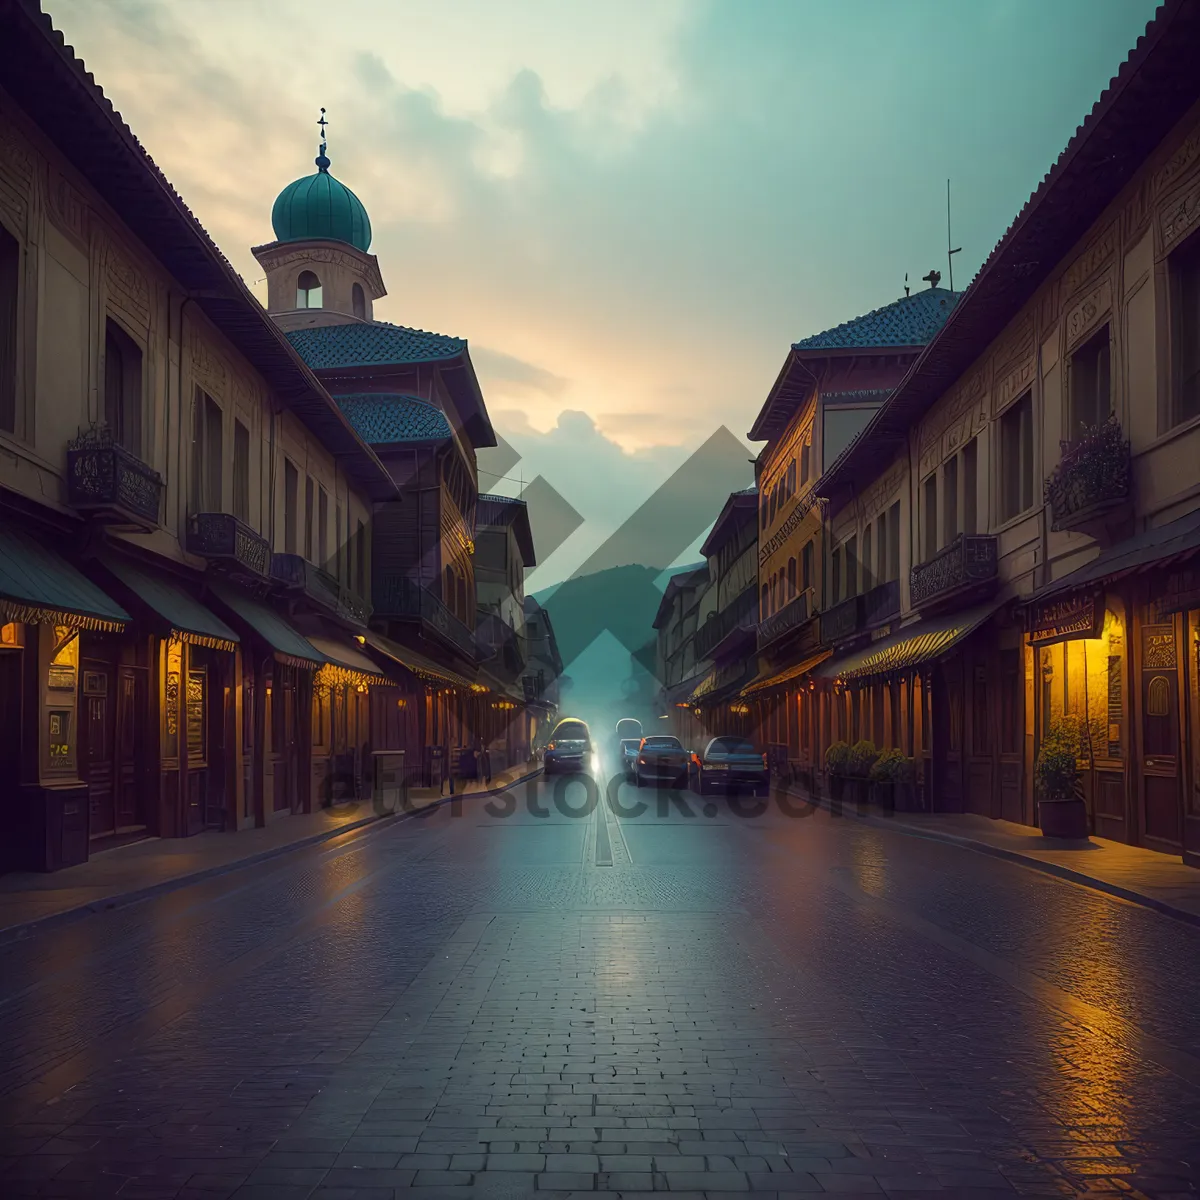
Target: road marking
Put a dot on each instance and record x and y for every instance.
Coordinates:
(621, 834)
(604, 857)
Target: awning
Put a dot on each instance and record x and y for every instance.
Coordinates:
(39, 586)
(185, 617)
(423, 668)
(1150, 548)
(344, 663)
(706, 685)
(920, 643)
(289, 647)
(787, 675)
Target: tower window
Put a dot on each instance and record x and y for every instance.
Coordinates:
(308, 291)
(360, 302)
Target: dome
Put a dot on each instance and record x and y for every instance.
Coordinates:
(319, 206)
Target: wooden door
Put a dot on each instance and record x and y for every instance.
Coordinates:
(982, 793)
(1011, 735)
(947, 748)
(1162, 803)
(130, 740)
(98, 748)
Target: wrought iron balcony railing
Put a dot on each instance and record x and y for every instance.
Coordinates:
(398, 596)
(841, 622)
(1091, 479)
(296, 575)
(224, 540)
(793, 613)
(112, 484)
(881, 603)
(967, 564)
(740, 614)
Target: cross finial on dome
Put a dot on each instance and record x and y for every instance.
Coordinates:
(322, 159)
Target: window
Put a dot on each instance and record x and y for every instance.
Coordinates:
(970, 460)
(931, 524)
(764, 600)
(359, 301)
(851, 567)
(893, 541)
(123, 387)
(341, 550)
(805, 460)
(867, 564)
(1016, 458)
(241, 471)
(949, 501)
(308, 290)
(881, 549)
(360, 559)
(322, 528)
(1091, 389)
(291, 500)
(1010, 702)
(791, 578)
(10, 275)
(207, 449)
(806, 566)
(1186, 271)
(835, 576)
(309, 498)
(791, 478)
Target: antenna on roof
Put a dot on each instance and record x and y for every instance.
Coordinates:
(906, 287)
(949, 253)
(933, 278)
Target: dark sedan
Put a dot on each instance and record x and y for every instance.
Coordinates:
(629, 754)
(569, 749)
(660, 759)
(729, 764)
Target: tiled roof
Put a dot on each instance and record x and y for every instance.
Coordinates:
(910, 321)
(374, 343)
(382, 419)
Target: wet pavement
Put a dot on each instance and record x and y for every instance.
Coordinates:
(502, 998)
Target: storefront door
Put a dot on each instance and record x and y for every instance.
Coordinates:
(1162, 808)
(98, 749)
(129, 739)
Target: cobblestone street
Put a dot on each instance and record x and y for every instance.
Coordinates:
(698, 1002)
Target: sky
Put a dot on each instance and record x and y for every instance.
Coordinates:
(630, 208)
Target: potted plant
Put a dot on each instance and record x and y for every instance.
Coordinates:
(893, 781)
(861, 759)
(836, 760)
(1062, 811)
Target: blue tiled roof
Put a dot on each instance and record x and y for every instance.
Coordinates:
(910, 321)
(371, 344)
(382, 419)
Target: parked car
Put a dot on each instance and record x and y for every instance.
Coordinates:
(629, 754)
(660, 758)
(569, 747)
(729, 764)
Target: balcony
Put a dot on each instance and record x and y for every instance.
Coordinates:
(842, 622)
(966, 566)
(402, 598)
(791, 615)
(1091, 480)
(298, 577)
(229, 543)
(111, 484)
(881, 603)
(720, 633)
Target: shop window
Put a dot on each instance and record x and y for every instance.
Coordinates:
(10, 276)
(931, 516)
(358, 300)
(1091, 385)
(62, 678)
(308, 290)
(123, 387)
(1016, 458)
(291, 499)
(241, 472)
(197, 716)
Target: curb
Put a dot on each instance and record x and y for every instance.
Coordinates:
(1014, 856)
(23, 929)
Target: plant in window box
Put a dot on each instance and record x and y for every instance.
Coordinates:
(862, 758)
(893, 782)
(836, 759)
(1062, 811)
(1093, 474)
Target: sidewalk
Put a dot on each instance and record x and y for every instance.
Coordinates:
(123, 875)
(1145, 877)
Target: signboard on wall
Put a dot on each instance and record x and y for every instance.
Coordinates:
(1078, 616)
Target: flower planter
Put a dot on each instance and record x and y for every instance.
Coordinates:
(883, 795)
(908, 797)
(857, 792)
(1065, 818)
(837, 787)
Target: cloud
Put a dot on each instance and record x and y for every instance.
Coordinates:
(514, 373)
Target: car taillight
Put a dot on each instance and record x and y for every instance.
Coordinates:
(550, 747)
(642, 761)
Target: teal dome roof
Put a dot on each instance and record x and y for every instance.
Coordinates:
(319, 206)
